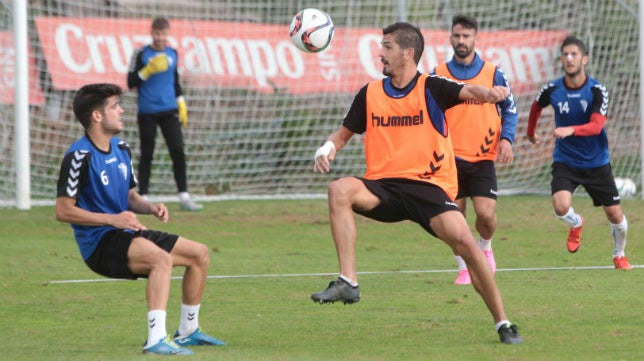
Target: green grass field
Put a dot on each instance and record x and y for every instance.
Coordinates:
(269, 256)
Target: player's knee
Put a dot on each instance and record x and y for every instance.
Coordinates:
(465, 247)
(162, 260)
(486, 221)
(202, 255)
(337, 189)
(615, 217)
(560, 210)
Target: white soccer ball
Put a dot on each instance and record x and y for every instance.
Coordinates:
(626, 187)
(311, 30)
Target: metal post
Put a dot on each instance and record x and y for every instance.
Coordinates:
(21, 105)
(641, 65)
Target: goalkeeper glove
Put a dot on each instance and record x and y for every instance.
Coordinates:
(183, 111)
(156, 64)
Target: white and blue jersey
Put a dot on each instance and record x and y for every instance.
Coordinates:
(574, 107)
(99, 181)
(159, 92)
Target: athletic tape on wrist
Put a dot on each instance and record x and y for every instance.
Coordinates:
(324, 150)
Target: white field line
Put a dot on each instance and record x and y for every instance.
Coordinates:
(278, 275)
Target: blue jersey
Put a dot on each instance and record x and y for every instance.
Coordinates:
(160, 91)
(574, 107)
(99, 181)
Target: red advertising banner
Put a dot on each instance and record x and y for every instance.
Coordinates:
(262, 57)
(8, 70)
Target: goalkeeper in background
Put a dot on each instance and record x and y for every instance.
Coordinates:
(153, 72)
(482, 133)
(581, 156)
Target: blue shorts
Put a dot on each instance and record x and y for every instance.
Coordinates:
(405, 199)
(110, 257)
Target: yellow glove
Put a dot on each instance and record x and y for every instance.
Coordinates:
(183, 111)
(156, 64)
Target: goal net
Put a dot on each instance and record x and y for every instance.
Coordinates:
(259, 108)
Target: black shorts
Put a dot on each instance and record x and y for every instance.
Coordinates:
(476, 179)
(405, 199)
(110, 257)
(598, 182)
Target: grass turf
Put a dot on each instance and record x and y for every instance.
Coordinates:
(269, 256)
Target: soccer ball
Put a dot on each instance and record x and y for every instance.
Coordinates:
(626, 187)
(311, 30)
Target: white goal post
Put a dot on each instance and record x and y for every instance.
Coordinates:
(259, 108)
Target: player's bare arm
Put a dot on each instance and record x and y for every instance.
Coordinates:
(505, 153)
(534, 139)
(326, 153)
(563, 132)
(483, 94)
(138, 204)
(68, 212)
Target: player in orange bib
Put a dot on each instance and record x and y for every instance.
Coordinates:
(411, 171)
(482, 133)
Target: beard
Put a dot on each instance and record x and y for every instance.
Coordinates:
(462, 52)
(385, 70)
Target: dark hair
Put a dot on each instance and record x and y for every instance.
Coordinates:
(407, 36)
(160, 24)
(93, 97)
(573, 40)
(465, 21)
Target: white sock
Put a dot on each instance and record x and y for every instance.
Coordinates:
(572, 218)
(156, 327)
(349, 281)
(184, 196)
(189, 320)
(485, 244)
(619, 232)
(501, 323)
(460, 262)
